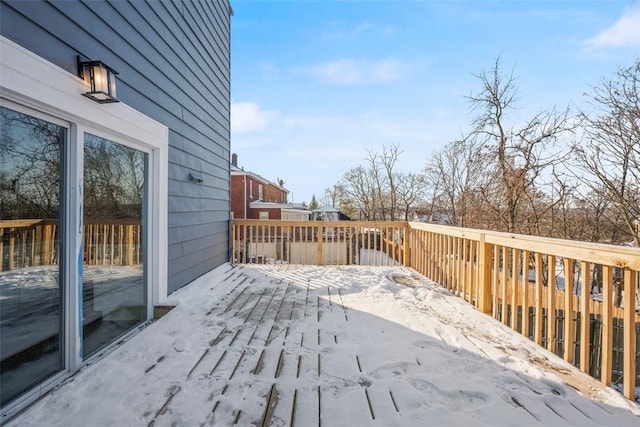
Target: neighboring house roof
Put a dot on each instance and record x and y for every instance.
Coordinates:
(296, 210)
(235, 170)
(329, 213)
(326, 208)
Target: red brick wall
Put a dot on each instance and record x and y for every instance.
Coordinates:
(274, 194)
(237, 195)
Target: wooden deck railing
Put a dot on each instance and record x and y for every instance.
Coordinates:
(534, 285)
(320, 242)
(35, 242)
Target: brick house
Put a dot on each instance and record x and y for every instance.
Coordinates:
(255, 197)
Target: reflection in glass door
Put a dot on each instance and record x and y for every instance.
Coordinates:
(30, 257)
(114, 299)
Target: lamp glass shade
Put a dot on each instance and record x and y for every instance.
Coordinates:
(100, 81)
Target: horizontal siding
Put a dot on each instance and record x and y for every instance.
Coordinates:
(185, 233)
(173, 64)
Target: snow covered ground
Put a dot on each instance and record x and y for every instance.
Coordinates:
(288, 345)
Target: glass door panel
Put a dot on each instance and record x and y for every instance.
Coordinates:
(31, 321)
(114, 299)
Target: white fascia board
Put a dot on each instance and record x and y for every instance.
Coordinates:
(36, 81)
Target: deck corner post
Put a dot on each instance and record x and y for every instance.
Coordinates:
(629, 332)
(484, 276)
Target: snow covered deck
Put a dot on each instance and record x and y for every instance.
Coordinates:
(286, 345)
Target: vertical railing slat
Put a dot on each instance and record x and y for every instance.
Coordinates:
(569, 326)
(537, 332)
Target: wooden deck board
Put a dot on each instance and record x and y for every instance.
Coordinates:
(300, 352)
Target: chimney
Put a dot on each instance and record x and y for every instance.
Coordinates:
(234, 159)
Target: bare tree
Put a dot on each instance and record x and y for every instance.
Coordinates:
(610, 152)
(382, 168)
(337, 197)
(521, 152)
(410, 192)
(361, 190)
(378, 191)
(30, 152)
(455, 171)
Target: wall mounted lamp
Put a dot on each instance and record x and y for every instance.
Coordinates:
(100, 80)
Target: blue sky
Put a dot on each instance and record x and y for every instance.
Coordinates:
(317, 83)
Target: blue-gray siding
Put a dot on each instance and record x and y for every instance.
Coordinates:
(174, 65)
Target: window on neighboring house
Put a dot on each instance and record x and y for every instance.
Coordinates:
(250, 189)
(259, 191)
(264, 215)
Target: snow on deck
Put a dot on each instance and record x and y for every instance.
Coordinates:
(327, 346)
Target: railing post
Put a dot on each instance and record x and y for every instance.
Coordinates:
(484, 275)
(1, 249)
(407, 246)
(233, 242)
(12, 243)
(607, 327)
(629, 352)
(551, 303)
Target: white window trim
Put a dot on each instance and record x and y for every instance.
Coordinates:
(35, 83)
(264, 215)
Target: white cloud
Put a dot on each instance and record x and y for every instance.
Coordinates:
(354, 72)
(312, 152)
(625, 32)
(248, 117)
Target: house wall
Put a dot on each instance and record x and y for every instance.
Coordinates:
(173, 62)
(239, 199)
(254, 213)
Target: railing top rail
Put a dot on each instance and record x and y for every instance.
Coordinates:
(618, 256)
(24, 223)
(284, 223)
(20, 223)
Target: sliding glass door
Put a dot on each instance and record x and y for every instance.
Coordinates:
(31, 291)
(33, 288)
(114, 299)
